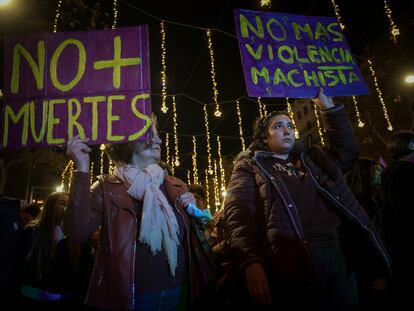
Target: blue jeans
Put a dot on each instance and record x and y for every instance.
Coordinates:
(165, 300)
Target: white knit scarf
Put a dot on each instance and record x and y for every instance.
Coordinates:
(159, 226)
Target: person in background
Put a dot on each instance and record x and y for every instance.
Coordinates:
(295, 230)
(10, 232)
(398, 187)
(44, 274)
(364, 180)
(29, 213)
(143, 261)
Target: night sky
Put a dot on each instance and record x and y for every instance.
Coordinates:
(188, 62)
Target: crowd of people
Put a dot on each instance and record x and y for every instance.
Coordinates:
(301, 226)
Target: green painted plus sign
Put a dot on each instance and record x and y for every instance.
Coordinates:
(116, 63)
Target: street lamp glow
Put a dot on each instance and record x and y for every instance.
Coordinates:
(4, 2)
(59, 188)
(409, 79)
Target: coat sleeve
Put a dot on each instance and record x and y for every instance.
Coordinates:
(239, 212)
(84, 211)
(341, 141)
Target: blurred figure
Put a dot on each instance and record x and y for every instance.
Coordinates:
(10, 231)
(29, 213)
(364, 179)
(398, 186)
(43, 274)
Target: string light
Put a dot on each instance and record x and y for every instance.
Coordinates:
(167, 147)
(207, 188)
(195, 170)
(91, 173)
(177, 158)
(188, 177)
(164, 107)
(111, 167)
(216, 186)
(266, 3)
(292, 117)
(393, 28)
(222, 172)
(360, 123)
(379, 93)
(210, 170)
(338, 14)
(318, 124)
(115, 9)
(261, 114)
(57, 16)
(101, 159)
(217, 113)
(240, 125)
(70, 173)
(63, 176)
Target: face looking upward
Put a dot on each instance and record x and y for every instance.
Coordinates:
(147, 153)
(280, 135)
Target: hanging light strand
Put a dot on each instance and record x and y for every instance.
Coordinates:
(217, 113)
(194, 158)
(207, 188)
(101, 159)
(261, 114)
(111, 167)
(395, 32)
(338, 14)
(91, 173)
(71, 169)
(63, 176)
(177, 157)
(216, 187)
(318, 124)
(292, 117)
(164, 107)
(57, 14)
(240, 125)
(167, 147)
(379, 93)
(210, 169)
(360, 123)
(188, 177)
(222, 172)
(115, 9)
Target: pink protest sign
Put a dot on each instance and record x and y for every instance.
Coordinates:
(57, 85)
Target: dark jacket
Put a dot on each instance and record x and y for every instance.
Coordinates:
(398, 213)
(266, 228)
(112, 281)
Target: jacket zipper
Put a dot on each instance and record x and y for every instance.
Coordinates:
(346, 210)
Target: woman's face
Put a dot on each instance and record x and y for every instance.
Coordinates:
(147, 153)
(61, 203)
(280, 134)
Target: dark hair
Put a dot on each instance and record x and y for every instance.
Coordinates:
(122, 152)
(33, 209)
(198, 189)
(399, 144)
(49, 218)
(260, 130)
